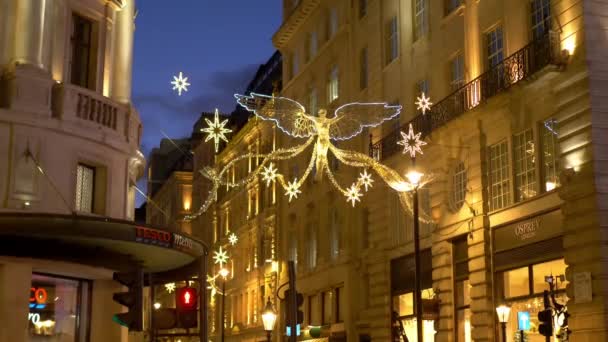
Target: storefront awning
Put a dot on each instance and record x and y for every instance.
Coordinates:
(98, 241)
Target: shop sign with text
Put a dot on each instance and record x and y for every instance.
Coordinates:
(152, 236)
(535, 229)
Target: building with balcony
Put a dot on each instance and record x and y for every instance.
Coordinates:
(69, 162)
(515, 150)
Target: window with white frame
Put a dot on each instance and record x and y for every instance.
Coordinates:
(392, 40)
(333, 85)
(85, 187)
(457, 72)
(500, 193)
(524, 162)
(550, 154)
(312, 101)
(363, 69)
(495, 46)
(420, 18)
(541, 17)
(459, 186)
(362, 8)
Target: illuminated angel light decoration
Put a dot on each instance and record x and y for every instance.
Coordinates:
(180, 83)
(220, 257)
(216, 130)
(170, 287)
(233, 239)
(318, 132)
(423, 103)
(411, 142)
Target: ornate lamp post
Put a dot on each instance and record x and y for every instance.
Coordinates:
(224, 273)
(414, 178)
(503, 312)
(269, 319)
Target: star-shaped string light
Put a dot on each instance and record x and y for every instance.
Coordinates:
(269, 173)
(180, 83)
(220, 257)
(411, 142)
(216, 130)
(233, 239)
(365, 179)
(292, 190)
(353, 194)
(170, 287)
(423, 103)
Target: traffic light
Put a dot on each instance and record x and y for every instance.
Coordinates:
(545, 318)
(132, 299)
(186, 303)
(299, 303)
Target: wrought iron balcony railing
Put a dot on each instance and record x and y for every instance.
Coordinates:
(518, 67)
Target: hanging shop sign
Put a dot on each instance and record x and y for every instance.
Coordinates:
(535, 229)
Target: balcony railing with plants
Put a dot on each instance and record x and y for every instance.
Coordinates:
(518, 67)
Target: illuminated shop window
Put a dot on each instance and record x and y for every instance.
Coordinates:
(524, 160)
(85, 181)
(550, 155)
(58, 309)
(522, 289)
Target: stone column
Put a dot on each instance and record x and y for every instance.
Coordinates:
(15, 283)
(472, 41)
(123, 53)
(33, 25)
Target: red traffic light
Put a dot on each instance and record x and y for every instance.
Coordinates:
(186, 298)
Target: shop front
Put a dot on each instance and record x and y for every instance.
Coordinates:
(403, 277)
(529, 260)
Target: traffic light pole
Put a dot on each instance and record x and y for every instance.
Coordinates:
(293, 312)
(202, 306)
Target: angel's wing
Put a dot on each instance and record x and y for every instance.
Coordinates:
(286, 113)
(350, 119)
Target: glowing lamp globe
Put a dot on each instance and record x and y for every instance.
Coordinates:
(414, 177)
(503, 312)
(269, 316)
(224, 272)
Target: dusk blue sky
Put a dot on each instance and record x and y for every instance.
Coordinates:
(218, 44)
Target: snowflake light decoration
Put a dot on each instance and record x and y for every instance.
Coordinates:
(269, 173)
(292, 190)
(180, 83)
(170, 287)
(411, 142)
(216, 130)
(220, 257)
(233, 239)
(423, 103)
(365, 179)
(353, 194)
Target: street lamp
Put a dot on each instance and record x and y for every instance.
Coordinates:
(414, 177)
(269, 318)
(503, 312)
(224, 273)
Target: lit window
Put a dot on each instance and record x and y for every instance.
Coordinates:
(541, 18)
(525, 165)
(500, 195)
(58, 307)
(312, 101)
(516, 282)
(362, 8)
(363, 72)
(460, 260)
(333, 85)
(457, 68)
(420, 18)
(494, 41)
(550, 154)
(459, 186)
(392, 40)
(85, 182)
